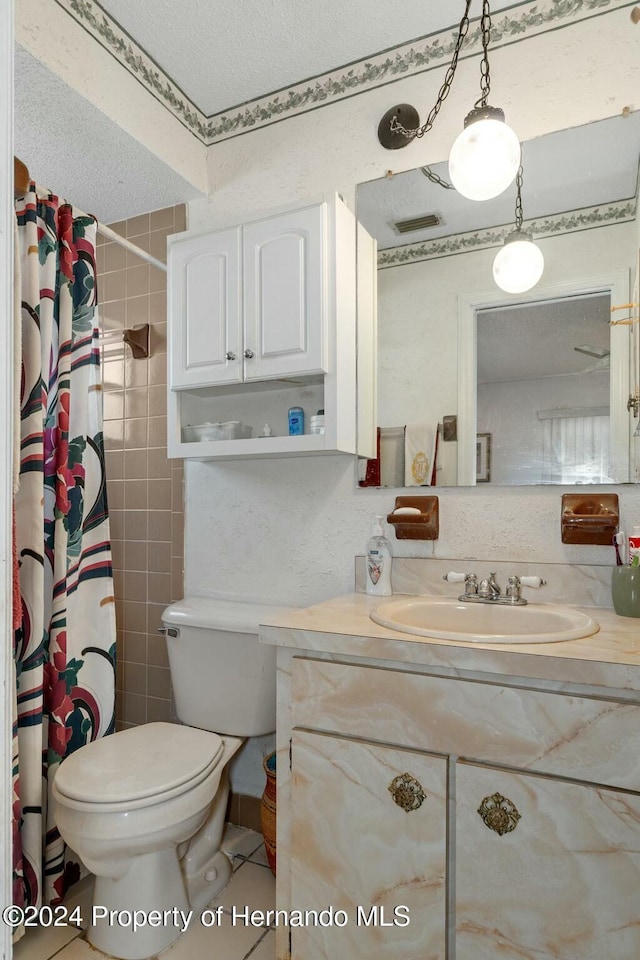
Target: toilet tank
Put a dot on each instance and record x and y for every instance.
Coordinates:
(223, 678)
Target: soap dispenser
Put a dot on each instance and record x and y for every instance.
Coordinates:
(378, 562)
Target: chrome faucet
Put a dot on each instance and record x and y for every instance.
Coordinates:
(488, 591)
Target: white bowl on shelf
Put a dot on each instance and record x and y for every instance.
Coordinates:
(230, 430)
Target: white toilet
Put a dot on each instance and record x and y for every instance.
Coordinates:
(145, 807)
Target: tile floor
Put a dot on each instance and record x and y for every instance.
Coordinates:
(252, 883)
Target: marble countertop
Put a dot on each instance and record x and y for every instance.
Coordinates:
(342, 626)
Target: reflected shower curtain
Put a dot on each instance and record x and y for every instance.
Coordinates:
(65, 643)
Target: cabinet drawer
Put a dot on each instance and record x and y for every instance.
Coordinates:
(576, 737)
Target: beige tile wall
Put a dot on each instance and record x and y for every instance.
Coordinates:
(144, 489)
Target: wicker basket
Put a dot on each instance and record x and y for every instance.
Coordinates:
(268, 811)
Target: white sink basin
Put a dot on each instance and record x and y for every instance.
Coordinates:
(447, 619)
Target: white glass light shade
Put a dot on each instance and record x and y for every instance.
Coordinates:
(518, 265)
(484, 158)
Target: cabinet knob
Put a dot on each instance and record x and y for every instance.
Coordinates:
(407, 792)
(499, 814)
(249, 354)
(230, 355)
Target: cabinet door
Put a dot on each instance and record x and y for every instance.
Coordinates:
(354, 847)
(285, 295)
(205, 310)
(563, 884)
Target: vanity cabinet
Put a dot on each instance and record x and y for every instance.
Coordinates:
(527, 841)
(353, 803)
(262, 317)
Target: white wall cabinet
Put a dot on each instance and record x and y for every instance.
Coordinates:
(205, 309)
(286, 287)
(262, 317)
(527, 830)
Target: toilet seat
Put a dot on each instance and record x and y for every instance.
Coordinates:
(138, 767)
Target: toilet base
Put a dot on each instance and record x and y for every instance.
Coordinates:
(115, 933)
(205, 886)
(124, 911)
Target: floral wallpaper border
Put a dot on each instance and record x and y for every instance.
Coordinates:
(519, 22)
(562, 223)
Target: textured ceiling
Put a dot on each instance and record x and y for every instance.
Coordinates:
(224, 53)
(536, 340)
(72, 149)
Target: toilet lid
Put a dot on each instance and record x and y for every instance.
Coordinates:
(139, 762)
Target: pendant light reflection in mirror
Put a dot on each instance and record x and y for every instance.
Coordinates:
(519, 263)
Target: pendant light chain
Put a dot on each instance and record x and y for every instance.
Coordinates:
(486, 154)
(436, 178)
(519, 215)
(396, 126)
(485, 76)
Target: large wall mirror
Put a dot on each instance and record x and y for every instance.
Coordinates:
(500, 389)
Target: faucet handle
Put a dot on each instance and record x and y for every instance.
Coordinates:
(453, 577)
(470, 585)
(532, 582)
(469, 579)
(513, 588)
(514, 584)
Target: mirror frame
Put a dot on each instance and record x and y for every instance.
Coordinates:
(617, 284)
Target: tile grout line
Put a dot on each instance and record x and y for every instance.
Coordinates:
(80, 932)
(257, 943)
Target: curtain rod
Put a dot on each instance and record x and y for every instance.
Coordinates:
(139, 252)
(22, 178)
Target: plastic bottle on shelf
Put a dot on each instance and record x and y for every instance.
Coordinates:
(296, 421)
(316, 424)
(378, 562)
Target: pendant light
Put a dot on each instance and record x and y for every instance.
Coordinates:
(485, 157)
(519, 263)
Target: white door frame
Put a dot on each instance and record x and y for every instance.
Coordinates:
(617, 284)
(6, 458)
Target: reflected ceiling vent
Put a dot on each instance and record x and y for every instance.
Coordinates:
(418, 223)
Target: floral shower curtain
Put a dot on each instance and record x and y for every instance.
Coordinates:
(65, 641)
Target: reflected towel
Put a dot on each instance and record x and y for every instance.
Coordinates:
(419, 454)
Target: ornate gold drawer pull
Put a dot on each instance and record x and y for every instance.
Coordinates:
(407, 792)
(499, 814)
